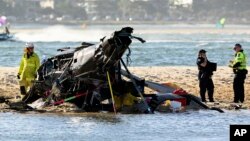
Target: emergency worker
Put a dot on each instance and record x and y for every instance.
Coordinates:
(239, 65)
(28, 68)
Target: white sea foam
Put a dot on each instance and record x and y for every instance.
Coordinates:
(61, 34)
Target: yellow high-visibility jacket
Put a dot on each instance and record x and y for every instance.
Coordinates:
(29, 66)
(240, 61)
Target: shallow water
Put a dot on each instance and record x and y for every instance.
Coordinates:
(189, 126)
(161, 49)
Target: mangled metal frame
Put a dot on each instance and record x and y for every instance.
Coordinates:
(80, 76)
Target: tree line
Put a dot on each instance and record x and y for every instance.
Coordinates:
(201, 11)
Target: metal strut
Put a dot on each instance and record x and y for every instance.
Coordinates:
(136, 87)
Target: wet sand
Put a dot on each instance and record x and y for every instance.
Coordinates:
(183, 76)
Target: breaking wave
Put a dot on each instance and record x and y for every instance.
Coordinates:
(61, 34)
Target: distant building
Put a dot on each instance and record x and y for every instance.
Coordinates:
(100, 9)
(180, 3)
(47, 4)
(91, 7)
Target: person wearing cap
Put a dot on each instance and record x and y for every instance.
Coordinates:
(29, 65)
(205, 76)
(239, 65)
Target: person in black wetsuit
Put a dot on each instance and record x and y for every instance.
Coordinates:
(206, 69)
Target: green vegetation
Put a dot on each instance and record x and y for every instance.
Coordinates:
(115, 11)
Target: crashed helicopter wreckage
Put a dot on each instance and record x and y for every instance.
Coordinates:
(95, 78)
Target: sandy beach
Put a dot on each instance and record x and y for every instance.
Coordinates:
(183, 76)
(9, 87)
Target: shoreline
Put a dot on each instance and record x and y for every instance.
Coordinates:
(183, 76)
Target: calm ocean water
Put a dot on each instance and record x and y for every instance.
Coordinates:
(159, 50)
(189, 126)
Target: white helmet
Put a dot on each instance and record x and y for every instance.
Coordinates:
(29, 45)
